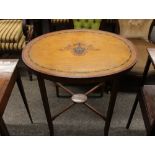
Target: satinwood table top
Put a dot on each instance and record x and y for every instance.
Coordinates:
(79, 54)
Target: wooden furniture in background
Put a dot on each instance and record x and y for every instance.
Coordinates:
(79, 57)
(138, 31)
(8, 76)
(146, 98)
(14, 35)
(60, 24)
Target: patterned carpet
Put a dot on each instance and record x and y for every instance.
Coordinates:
(79, 120)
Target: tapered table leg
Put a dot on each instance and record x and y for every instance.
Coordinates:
(22, 92)
(3, 128)
(132, 112)
(111, 106)
(43, 92)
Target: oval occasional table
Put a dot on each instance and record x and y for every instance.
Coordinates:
(79, 56)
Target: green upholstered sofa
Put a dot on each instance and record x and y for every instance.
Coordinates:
(97, 24)
(61, 24)
(87, 23)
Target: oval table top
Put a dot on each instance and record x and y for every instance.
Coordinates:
(79, 54)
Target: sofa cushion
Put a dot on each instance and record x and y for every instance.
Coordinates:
(87, 23)
(13, 46)
(135, 28)
(10, 30)
(11, 35)
(142, 56)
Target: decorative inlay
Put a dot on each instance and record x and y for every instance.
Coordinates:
(79, 48)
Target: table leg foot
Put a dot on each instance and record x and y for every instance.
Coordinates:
(132, 112)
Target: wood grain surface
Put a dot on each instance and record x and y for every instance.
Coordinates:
(7, 80)
(79, 54)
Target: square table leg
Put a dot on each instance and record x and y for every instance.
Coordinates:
(3, 128)
(43, 92)
(111, 106)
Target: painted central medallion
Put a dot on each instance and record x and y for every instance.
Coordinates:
(79, 48)
(80, 53)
